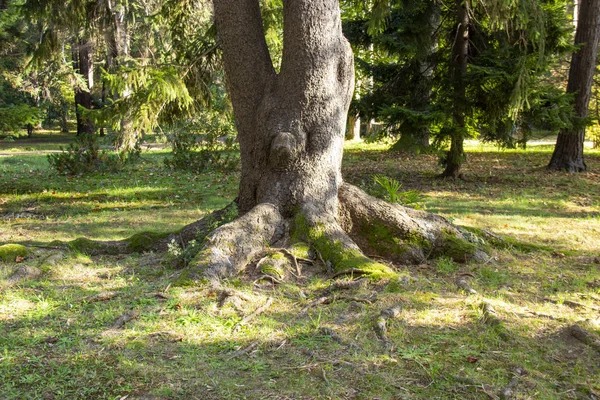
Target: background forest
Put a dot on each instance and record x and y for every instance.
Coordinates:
(115, 120)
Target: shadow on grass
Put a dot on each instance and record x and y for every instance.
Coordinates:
(58, 342)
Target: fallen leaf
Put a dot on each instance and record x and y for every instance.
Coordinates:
(19, 259)
(472, 359)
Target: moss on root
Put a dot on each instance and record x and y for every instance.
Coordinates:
(456, 248)
(342, 259)
(10, 252)
(144, 241)
(385, 240)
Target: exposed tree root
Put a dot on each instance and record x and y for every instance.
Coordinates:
(504, 394)
(490, 318)
(584, 337)
(507, 391)
(381, 323)
(227, 294)
(364, 224)
(463, 284)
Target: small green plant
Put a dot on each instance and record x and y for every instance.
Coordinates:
(390, 185)
(206, 142)
(83, 157)
(181, 256)
(392, 193)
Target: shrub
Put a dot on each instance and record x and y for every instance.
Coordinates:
(203, 143)
(84, 156)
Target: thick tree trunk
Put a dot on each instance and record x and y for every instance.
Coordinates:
(290, 126)
(82, 63)
(291, 132)
(460, 53)
(568, 152)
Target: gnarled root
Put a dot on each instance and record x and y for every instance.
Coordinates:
(402, 234)
(231, 246)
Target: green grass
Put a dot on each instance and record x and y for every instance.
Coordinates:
(57, 342)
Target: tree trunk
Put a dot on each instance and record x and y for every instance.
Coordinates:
(291, 133)
(354, 128)
(568, 152)
(82, 63)
(460, 52)
(290, 126)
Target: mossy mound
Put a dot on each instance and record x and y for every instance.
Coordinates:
(144, 241)
(10, 252)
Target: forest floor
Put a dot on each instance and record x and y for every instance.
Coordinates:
(121, 327)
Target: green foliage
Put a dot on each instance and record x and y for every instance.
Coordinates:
(84, 156)
(16, 117)
(391, 192)
(203, 143)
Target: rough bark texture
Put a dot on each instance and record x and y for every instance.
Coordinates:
(568, 153)
(460, 53)
(290, 125)
(82, 63)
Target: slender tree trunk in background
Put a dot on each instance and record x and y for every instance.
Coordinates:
(460, 53)
(82, 63)
(568, 152)
(354, 128)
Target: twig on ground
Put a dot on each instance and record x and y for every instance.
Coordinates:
(316, 302)
(487, 389)
(345, 285)
(256, 312)
(381, 322)
(270, 278)
(104, 296)
(243, 350)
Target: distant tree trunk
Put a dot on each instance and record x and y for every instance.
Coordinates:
(568, 152)
(460, 51)
(29, 130)
(353, 128)
(82, 63)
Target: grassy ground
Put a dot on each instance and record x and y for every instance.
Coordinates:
(76, 327)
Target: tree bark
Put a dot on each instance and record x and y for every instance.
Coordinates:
(291, 132)
(460, 53)
(291, 125)
(568, 152)
(82, 63)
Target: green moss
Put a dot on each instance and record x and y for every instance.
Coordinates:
(385, 240)
(459, 250)
(342, 259)
(185, 279)
(300, 249)
(88, 246)
(144, 241)
(9, 252)
(272, 270)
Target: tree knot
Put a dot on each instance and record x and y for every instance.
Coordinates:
(284, 150)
